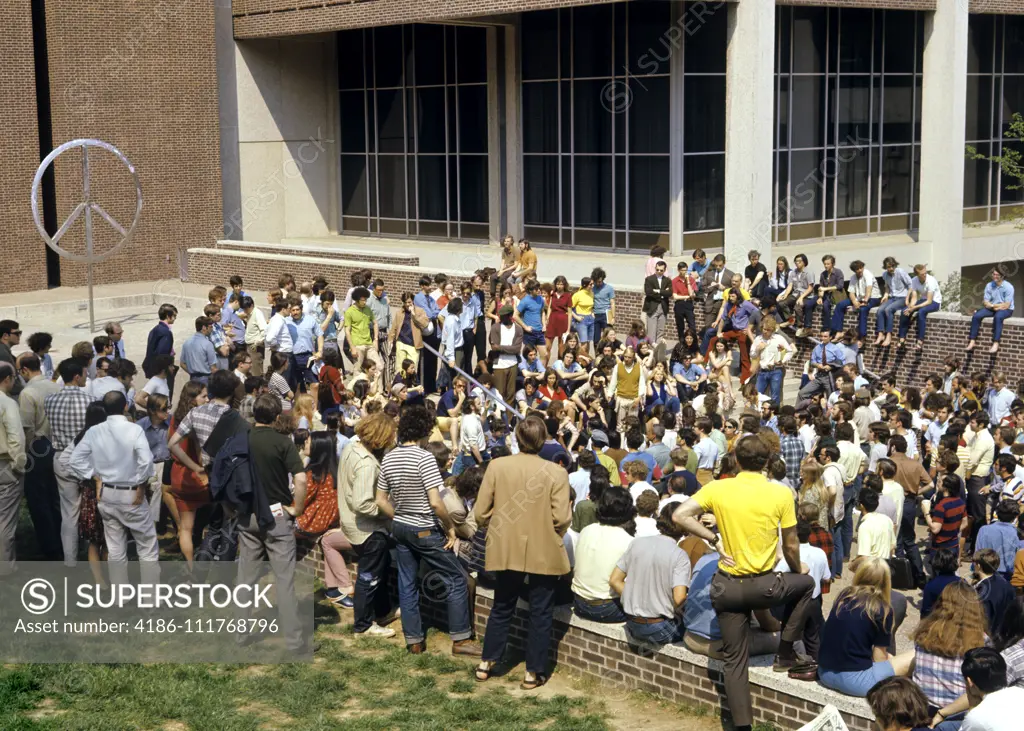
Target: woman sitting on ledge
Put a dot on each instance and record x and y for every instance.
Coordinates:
(854, 655)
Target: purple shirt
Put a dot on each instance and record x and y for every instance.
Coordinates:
(740, 316)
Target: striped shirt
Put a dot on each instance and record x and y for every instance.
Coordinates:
(938, 677)
(950, 512)
(406, 474)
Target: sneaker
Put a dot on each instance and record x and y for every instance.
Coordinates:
(392, 616)
(343, 600)
(376, 630)
(467, 647)
(801, 332)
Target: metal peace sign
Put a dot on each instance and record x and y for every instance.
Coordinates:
(86, 206)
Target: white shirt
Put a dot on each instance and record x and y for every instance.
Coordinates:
(100, 387)
(997, 711)
(157, 385)
(851, 458)
(930, 284)
(256, 327)
(834, 477)
(646, 527)
(859, 285)
(671, 499)
(878, 451)
(807, 437)
(240, 376)
(637, 489)
(774, 351)
(876, 536)
(580, 482)
(597, 551)
(508, 335)
(894, 491)
(278, 337)
(817, 565)
(116, 451)
(472, 433)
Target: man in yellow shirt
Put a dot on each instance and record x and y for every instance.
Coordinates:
(750, 512)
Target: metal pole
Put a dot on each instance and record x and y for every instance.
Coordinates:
(489, 391)
(87, 199)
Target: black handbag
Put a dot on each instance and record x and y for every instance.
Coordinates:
(902, 576)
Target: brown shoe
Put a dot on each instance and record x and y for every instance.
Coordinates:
(417, 648)
(466, 647)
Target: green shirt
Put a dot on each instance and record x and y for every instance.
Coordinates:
(361, 323)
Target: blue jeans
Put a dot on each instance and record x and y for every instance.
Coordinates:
(810, 302)
(856, 682)
(540, 591)
(851, 494)
(585, 329)
(837, 551)
(462, 463)
(885, 318)
(672, 405)
(921, 314)
(444, 581)
(651, 636)
(997, 322)
(862, 315)
(770, 383)
(609, 611)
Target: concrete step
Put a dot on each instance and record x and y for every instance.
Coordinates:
(335, 253)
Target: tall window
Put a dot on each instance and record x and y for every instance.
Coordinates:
(848, 121)
(995, 90)
(596, 125)
(413, 111)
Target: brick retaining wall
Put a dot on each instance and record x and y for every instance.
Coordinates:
(947, 332)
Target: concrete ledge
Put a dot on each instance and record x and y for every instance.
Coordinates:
(321, 252)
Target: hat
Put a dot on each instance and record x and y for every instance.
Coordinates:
(599, 437)
(505, 310)
(397, 389)
(863, 393)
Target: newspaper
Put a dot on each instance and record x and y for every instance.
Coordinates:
(828, 720)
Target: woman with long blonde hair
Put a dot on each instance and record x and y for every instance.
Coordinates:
(814, 491)
(956, 624)
(855, 639)
(304, 415)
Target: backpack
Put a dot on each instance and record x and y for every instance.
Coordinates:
(220, 542)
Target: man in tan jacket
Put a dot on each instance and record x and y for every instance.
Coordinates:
(406, 332)
(524, 504)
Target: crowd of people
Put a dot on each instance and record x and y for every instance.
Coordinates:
(504, 432)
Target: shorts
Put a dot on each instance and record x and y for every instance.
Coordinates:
(535, 338)
(301, 372)
(585, 329)
(856, 682)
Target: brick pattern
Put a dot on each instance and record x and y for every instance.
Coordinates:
(946, 332)
(334, 254)
(1008, 7)
(885, 4)
(24, 253)
(141, 76)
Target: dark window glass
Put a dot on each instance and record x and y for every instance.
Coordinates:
(593, 191)
(566, 125)
(473, 119)
(704, 121)
(898, 116)
(808, 40)
(976, 178)
(854, 108)
(1008, 182)
(390, 121)
(808, 95)
(648, 193)
(592, 41)
(704, 38)
(391, 171)
(979, 107)
(540, 190)
(648, 115)
(473, 187)
(453, 188)
(1013, 99)
(429, 66)
(649, 48)
(806, 195)
(450, 64)
(620, 192)
(389, 58)
(851, 176)
(471, 50)
(896, 172)
(899, 42)
(430, 119)
(855, 40)
(540, 117)
(353, 185)
(782, 191)
(540, 45)
(350, 59)
(432, 188)
(353, 121)
(979, 43)
(782, 113)
(592, 121)
(703, 192)
(1013, 54)
(567, 203)
(620, 65)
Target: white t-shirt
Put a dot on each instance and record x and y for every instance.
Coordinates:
(671, 499)
(637, 489)
(817, 566)
(472, 433)
(157, 385)
(597, 551)
(894, 491)
(997, 711)
(807, 437)
(646, 527)
(930, 284)
(507, 360)
(833, 477)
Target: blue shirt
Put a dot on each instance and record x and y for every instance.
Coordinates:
(447, 402)
(470, 312)
(699, 617)
(641, 457)
(530, 309)
(427, 303)
(897, 284)
(1002, 538)
(741, 315)
(230, 317)
(603, 297)
(828, 354)
(198, 356)
(303, 332)
(331, 333)
(451, 338)
(531, 367)
(156, 435)
(698, 268)
(997, 294)
(560, 366)
(690, 374)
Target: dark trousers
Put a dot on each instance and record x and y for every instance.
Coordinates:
(733, 599)
(468, 344)
(371, 595)
(541, 597)
(428, 365)
(480, 339)
(43, 499)
(975, 508)
(685, 319)
(906, 540)
(812, 628)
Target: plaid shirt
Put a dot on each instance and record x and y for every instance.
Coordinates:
(65, 411)
(1014, 657)
(938, 677)
(202, 420)
(792, 454)
(218, 336)
(822, 538)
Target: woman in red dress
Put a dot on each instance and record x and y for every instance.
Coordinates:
(188, 492)
(558, 316)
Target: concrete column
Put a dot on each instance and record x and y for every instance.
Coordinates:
(513, 135)
(750, 120)
(943, 121)
(231, 187)
(495, 165)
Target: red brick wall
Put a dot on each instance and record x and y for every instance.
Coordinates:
(1009, 7)
(141, 76)
(23, 251)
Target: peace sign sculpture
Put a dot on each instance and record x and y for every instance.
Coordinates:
(86, 206)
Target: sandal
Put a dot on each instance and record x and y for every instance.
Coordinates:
(538, 681)
(484, 674)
